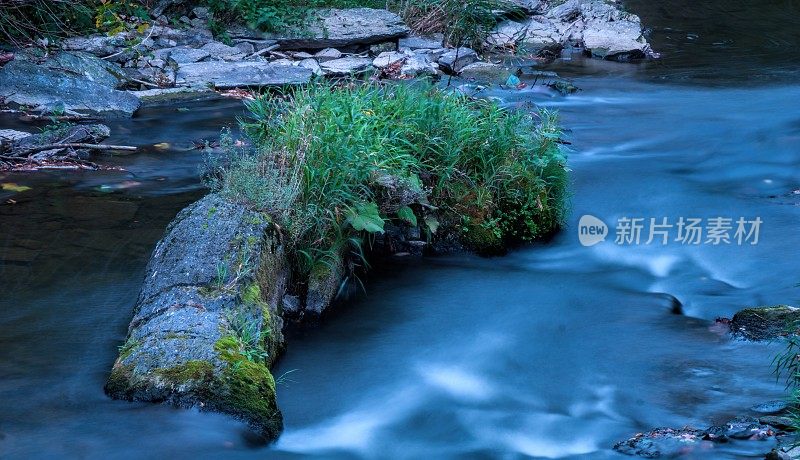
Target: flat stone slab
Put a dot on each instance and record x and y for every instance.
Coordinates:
(416, 42)
(346, 66)
(227, 75)
(12, 135)
(183, 54)
(340, 28)
(28, 84)
(158, 95)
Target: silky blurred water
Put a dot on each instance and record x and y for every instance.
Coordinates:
(555, 351)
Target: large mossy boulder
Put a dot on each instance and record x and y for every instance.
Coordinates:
(765, 323)
(206, 327)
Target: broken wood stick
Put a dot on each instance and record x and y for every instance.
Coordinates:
(42, 148)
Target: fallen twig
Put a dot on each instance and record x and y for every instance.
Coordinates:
(41, 148)
(32, 117)
(263, 52)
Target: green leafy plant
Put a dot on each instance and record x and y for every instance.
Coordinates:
(365, 217)
(327, 162)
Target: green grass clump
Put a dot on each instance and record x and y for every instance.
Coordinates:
(246, 388)
(334, 164)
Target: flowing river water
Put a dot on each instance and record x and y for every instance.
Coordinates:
(554, 351)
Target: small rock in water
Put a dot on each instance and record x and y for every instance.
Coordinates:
(778, 421)
(764, 323)
(740, 428)
(662, 442)
(777, 455)
(485, 72)
(513, 81)
(771, 407)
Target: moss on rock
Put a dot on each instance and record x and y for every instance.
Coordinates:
(119, 383)
(246, 389)
(765, 323)
(197, 370)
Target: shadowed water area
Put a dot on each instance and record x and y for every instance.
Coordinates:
(555, 351)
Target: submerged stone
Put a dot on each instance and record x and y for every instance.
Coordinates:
(662, 442)
(670, 442)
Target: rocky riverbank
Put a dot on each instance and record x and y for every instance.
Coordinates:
(114, 74)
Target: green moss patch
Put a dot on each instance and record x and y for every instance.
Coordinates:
(191, 370)
(246, 388)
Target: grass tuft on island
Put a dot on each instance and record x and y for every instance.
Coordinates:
(333, 165)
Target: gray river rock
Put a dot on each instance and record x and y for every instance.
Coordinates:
(87, 87)
(226, 75)
(600, 27)
(211, 296)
